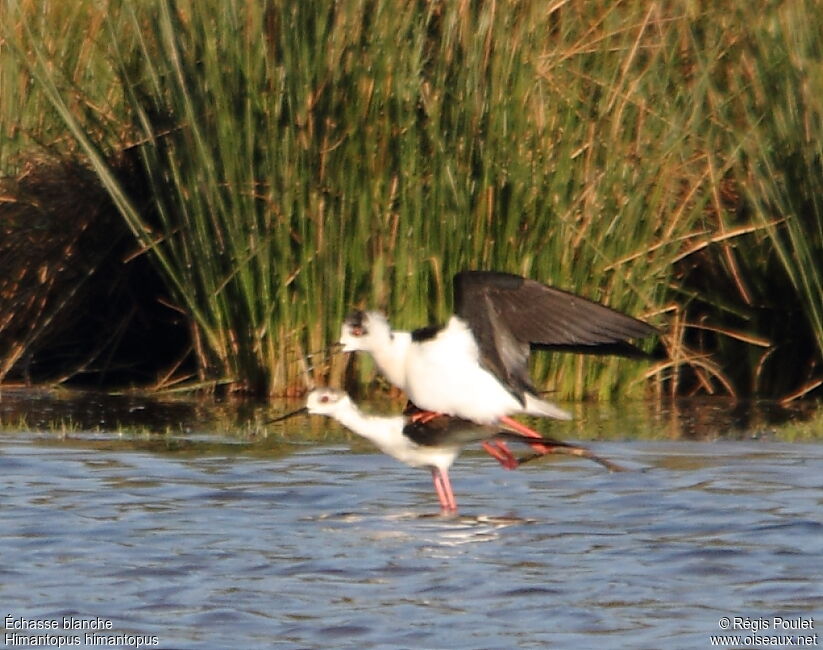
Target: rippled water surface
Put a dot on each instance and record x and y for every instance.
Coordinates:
(219, 541)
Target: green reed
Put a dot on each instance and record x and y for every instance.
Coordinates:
(303, 158)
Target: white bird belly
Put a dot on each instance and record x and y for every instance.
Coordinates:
(414, 456)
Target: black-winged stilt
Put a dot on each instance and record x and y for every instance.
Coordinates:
(434, 442)
(476, 366)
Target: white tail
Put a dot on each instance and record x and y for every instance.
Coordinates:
(536, 406)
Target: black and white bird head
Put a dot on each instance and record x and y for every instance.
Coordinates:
(327, 401)
(365, 331)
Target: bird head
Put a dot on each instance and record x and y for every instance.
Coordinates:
(364, 331)
(325, 401)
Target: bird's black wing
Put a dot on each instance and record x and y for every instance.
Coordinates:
(439, 430)
(508, 315)
(443, 430)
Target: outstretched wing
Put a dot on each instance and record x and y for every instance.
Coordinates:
(509, 315)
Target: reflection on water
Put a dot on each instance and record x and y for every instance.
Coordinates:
(221, 540)
(691, 419)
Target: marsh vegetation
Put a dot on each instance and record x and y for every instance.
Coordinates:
(227, 179)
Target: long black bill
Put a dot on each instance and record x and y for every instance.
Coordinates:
(299, 411)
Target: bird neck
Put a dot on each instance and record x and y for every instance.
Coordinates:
(391, 357)
(368, 426)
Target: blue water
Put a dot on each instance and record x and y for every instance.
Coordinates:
(325, 544)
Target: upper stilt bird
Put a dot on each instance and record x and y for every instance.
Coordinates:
(476, 366)
(434, 442)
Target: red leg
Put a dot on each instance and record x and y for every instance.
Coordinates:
(526, 431)
(438, 487)
(444, 490)
(498, 450)
(447, 487)
(424, 416)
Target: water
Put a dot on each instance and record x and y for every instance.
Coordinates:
(203, 540)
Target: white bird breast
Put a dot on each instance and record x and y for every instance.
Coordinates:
(443, 374)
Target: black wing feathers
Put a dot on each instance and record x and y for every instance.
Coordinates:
(509, 314)
(542, 315)
(445, 430)
(442, 430)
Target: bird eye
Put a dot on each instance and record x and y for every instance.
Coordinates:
(357, 331)
(324, 399)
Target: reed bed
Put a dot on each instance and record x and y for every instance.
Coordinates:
(299, 159)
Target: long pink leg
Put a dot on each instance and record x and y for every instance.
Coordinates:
(498, 450)
(447, 487)
(444, 490)
(526, 431)
(438, 486)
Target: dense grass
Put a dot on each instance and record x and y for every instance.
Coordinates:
(301, 158)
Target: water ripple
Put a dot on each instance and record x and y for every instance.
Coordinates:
(329, 547)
